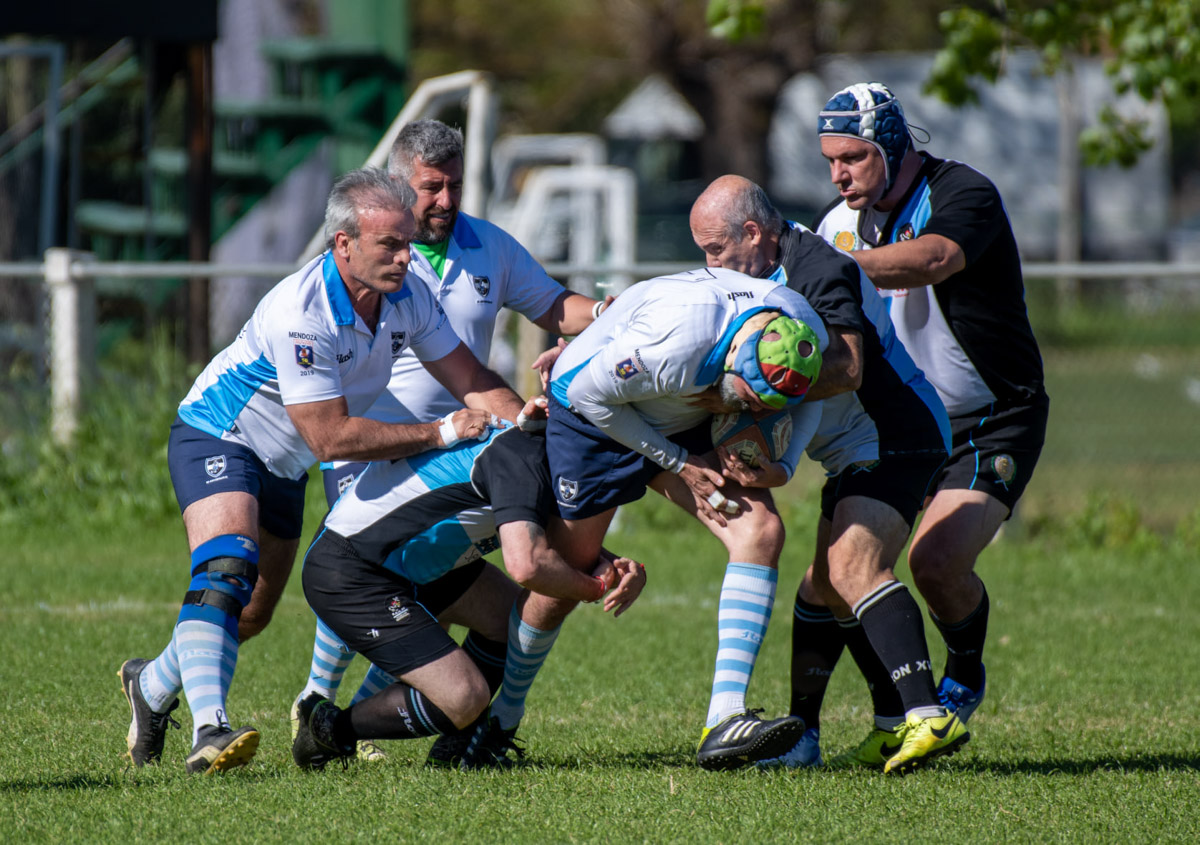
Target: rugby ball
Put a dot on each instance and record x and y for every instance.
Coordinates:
(754, 441)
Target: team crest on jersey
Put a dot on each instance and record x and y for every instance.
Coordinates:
(626, 369)
(397, 343)
(304, 355)
(397, 609)
(1005, 468)
(846, 241)
(483, 285)
(907, 233)
(567, 489)
(215, 466)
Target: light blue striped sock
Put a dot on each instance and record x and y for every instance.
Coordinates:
(160, 679)
(375, 680)
(207, 657)
(743, 612)
(528, 648)
(330, 657)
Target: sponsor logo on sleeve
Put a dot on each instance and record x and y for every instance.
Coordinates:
(626, 369)
(304, 355)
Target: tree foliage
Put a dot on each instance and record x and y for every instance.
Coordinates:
(1151, 48)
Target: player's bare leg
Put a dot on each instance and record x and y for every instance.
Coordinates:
(956, 527)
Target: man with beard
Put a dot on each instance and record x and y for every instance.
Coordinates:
(477, 269)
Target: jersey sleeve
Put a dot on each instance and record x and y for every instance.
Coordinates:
(805, 418)
(966, 208)
(305, 358)
(618, 375)
(513, 475)
(432, 337)
(785, 299)
(829, 279)
(528, 290)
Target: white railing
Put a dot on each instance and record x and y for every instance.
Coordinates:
(69, 275)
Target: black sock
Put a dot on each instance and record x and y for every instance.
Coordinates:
(397, 712)
(488, 656)
(964, 645)
(816, 647)
(885, 700)
(892, 621)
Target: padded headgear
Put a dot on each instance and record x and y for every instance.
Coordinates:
(780, 361)
(870, 112)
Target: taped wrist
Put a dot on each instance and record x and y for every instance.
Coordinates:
(447, 433)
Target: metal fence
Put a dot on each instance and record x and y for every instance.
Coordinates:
(1121, 342)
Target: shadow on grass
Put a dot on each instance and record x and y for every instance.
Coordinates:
(1106, 763)
(123, 779)
(676, 760)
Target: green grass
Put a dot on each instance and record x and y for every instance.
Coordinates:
(1090, 732)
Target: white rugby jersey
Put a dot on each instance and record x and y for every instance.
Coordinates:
(661, 342)
(486, 269)
(305, 343)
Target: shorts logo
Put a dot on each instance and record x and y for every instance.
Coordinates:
(567, 489)
(344, 482)
(482, 285)
(397, 343)
(215, 466)
(304, 355)
(626, 369)
(488, 545)
(397, 609)
(846, 241)
(906, 232)
(1005, 468)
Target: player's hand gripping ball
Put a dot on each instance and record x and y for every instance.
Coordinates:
(754, 441)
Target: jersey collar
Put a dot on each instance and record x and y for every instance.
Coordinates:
(464, 233)
(339, 297)
(714, 364)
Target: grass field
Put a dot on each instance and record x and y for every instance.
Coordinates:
(1091, 731)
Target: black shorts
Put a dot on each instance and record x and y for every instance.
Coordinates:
(995, 449)
(900, 480)
(387, 618)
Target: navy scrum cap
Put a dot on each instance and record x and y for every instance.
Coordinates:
(870, 112)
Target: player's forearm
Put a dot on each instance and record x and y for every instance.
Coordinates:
(926, 260)
(569, 315)
(626, 426)
(489, 392)
(362, 439)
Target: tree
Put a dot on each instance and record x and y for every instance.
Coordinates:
(562, 65)
(1152, 48)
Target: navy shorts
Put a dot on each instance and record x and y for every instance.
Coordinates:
(385, 617)
(337, 479)
(592, 473)
(899, 480)
(995, 450)
(202, 465)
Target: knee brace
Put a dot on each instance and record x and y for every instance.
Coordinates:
(224, 572)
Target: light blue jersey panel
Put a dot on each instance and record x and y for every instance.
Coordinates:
(220, 404)
(432, 553)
